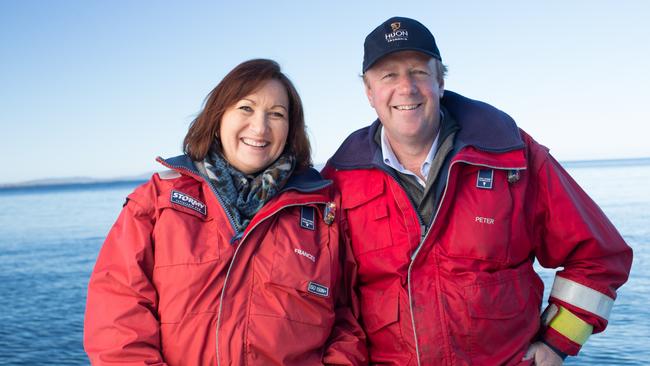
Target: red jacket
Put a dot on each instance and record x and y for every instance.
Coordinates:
(172, 287)
(465, 292)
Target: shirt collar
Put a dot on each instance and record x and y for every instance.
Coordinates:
(390, 159)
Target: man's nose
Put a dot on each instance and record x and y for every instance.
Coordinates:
(406, 85)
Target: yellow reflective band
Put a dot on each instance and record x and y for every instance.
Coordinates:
(570, 326)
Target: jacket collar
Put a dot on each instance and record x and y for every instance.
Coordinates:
(481, 126)
(305, 180)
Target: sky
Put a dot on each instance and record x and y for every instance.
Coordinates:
(100, 88)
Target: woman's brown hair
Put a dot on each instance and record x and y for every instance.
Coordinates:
(243, 80)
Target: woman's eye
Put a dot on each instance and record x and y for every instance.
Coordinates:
(246, 108)
(277, 114)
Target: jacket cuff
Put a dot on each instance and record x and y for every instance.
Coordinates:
(563, 331)
(560, 344)
(562, 355)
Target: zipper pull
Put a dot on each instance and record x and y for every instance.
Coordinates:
(423, 232)
(234, 241)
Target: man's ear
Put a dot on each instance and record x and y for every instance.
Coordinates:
(368, 93)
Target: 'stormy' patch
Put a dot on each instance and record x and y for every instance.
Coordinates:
(185, 200)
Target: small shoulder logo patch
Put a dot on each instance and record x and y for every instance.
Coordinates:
(307, 217)
(188, 201)
(485, 178)
(330, 213)
(513, 176)
(318, 289)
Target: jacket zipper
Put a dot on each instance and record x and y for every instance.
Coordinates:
(424, 237)
(232, 261)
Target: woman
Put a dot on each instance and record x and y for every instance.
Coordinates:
(233, 256)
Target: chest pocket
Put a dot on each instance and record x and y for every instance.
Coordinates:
(369, 218)
(480, 220)
(183, 235)
(187, 257)
(295, 267)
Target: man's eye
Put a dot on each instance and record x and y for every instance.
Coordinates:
(388, 75)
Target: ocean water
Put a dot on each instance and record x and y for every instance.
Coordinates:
(50, 237)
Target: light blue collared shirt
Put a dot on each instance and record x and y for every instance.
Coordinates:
(391, 160)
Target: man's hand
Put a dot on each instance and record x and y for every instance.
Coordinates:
(542, 355)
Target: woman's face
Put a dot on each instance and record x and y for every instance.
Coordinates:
(254, 130)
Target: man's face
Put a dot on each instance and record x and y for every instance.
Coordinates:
(403, 89)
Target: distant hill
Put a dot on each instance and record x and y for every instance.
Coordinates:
(607, 162)
(89, 181)
(74, 181)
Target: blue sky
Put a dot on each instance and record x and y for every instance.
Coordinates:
(100, 88)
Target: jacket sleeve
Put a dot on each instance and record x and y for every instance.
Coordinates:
(573, 233)
(347, 342)
(120, 325)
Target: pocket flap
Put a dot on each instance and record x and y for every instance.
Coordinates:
(499, 295)
(356, 197)
(380, 308)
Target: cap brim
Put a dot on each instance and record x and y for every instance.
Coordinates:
(426, 52)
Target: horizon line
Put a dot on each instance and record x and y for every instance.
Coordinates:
(85, 180)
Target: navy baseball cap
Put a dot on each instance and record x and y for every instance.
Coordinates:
(398, 34)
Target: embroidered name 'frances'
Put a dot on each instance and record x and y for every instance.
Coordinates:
(305, 254)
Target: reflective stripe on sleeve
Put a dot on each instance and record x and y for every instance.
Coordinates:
(582, 297)
(570, 326)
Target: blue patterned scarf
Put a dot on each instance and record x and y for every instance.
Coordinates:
(243, 194)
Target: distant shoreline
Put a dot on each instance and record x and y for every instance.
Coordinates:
(85, 182)
(605, 162)
(69, 186)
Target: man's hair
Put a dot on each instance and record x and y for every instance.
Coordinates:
(441, 70)
(243, 80)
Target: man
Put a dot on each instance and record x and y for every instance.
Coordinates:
(448, 204)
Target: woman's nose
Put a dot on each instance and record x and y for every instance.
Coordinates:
(258, 124)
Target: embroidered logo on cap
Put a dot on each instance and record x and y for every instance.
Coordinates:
(188, 201)
(318, 289)
(398, 33)
(485, 178)
(307, 217)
